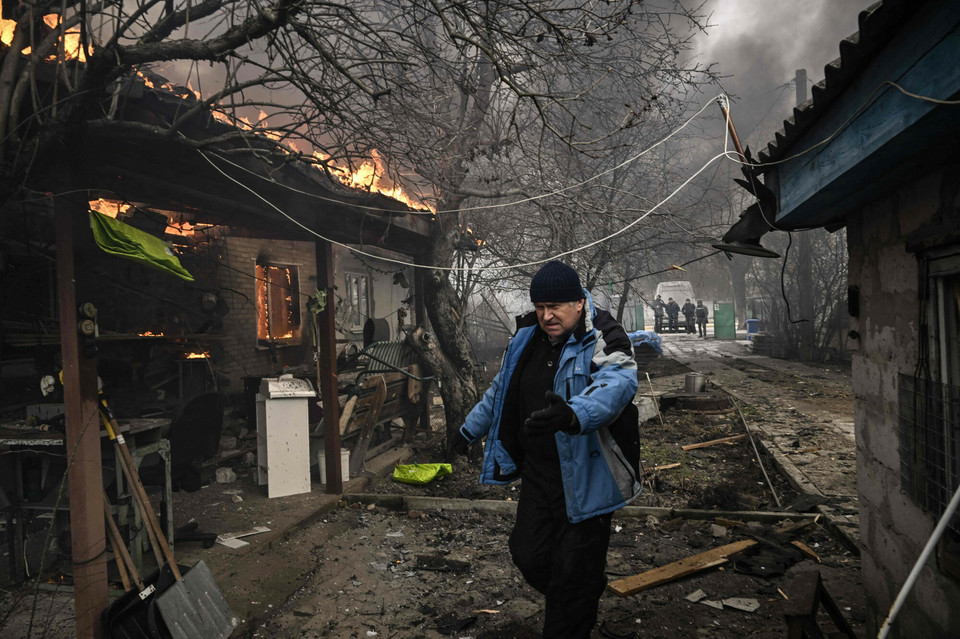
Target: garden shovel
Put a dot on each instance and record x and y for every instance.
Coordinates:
(192, 606)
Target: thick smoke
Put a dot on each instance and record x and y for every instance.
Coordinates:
(759, 44)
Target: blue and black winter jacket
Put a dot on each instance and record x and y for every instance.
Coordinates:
(597, 375)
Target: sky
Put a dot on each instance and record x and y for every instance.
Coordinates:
(760, 44)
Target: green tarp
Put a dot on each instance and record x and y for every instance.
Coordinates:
(123, 240)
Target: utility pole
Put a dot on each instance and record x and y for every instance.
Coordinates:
(808, 337)
(82, 432)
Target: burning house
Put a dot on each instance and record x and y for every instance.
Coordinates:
(202, 267)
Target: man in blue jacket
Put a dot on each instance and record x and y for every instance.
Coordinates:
(560, 416)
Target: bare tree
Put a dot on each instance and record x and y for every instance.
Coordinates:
(464, 102)
(776, 285)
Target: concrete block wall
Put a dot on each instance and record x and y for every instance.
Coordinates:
(893, 529)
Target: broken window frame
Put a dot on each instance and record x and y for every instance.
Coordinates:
(281, 301)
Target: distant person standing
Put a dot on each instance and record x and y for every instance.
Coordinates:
(702, 314)
(688, 311)
(659, 308)
(673, 315)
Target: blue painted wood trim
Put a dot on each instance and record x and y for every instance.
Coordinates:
(925, 59)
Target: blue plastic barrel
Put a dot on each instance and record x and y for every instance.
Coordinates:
(753, 326)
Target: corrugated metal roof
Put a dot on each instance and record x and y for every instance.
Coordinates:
(877, 24)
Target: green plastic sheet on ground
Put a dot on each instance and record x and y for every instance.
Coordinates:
(123, 240)
(420, 473)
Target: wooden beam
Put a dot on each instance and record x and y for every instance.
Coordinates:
(327, 369)
(650, 471)
(687, 566)
(82, 434)
(714, 442)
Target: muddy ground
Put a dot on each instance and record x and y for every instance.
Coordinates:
(430, 573)
(374, 568)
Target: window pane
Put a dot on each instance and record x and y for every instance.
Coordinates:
(278, 302)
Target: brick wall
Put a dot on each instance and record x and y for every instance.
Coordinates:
(241, 356)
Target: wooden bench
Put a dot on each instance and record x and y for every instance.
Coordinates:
(388, 387)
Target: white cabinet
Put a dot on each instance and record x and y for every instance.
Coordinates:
(283, 438)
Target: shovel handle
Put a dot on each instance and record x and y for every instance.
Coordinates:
(112, 433)
(119, 549)
(150, 518)
(124, 562)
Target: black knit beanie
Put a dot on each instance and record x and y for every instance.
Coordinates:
(555, 282)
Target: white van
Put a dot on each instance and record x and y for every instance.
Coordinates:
(679, 291)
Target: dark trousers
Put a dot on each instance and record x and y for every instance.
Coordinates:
(658, 323)
(565, 562)
(702, 327)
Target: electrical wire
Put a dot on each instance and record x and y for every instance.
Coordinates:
(866, 103)
(725, 153)
(783, 286)
(93, 417)
(484, 207)
(664, 270)
(756, 452)
(626, 162)
(480, 269)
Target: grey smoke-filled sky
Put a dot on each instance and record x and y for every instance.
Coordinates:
(761, 43)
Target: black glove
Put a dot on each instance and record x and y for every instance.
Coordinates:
(460, 444)
(556, 416)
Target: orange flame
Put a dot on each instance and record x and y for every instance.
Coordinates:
(203, 355)
(71, 38)
(110, 208)
(368, 177)
(150, 334)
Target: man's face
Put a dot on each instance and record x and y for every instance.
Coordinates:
(557, 318)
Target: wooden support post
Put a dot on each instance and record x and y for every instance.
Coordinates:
(807, 594)
(327, 382)
(82, 435)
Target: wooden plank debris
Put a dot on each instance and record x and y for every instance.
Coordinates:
(714, 442)
(650, 471)
(794, 526)
(807, 550)
(729, 523)
(687, 566)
